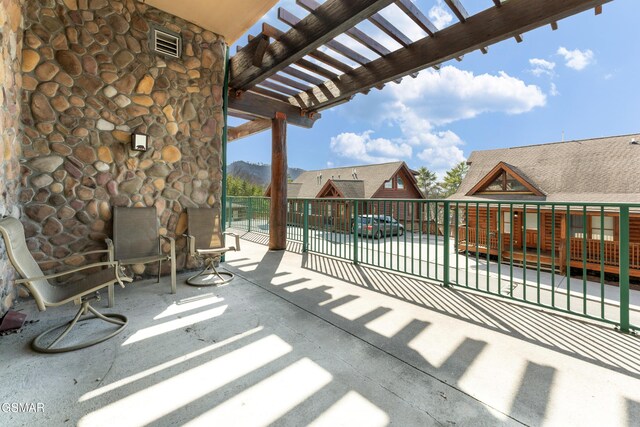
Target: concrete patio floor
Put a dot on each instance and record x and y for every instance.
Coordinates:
(298, 340)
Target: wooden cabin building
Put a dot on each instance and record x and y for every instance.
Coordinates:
(393, 180)
(600, 170)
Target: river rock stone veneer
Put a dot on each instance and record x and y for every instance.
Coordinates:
(89, 81)
(10, 82)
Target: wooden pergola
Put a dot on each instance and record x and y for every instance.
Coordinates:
(287, 77)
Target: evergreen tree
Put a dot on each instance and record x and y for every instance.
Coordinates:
(427, 181)
(453, 178)
(239, 187)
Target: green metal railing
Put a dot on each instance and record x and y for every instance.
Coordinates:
(576, 258)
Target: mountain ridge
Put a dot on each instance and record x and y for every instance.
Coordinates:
(257, 173)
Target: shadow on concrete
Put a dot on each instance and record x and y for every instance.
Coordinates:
(569, 336)
(265, 340)
(633, 412)
(229, 349)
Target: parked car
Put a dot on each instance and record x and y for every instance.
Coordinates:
(378, 226)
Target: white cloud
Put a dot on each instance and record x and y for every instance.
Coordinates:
(541, 67)
(420, 109)
(576, 59)
(553, 91)
(364, 148)
(453, 94)
(440, 16)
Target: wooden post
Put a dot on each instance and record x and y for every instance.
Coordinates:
(278, 214)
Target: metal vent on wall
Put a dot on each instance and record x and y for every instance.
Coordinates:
(166, 42)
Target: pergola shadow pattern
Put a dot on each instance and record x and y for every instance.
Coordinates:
(596, 344)
(297, 340)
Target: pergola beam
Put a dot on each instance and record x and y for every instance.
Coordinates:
(275, 34)
(292, 20)
(354, 33)
(458, 9)
(417, 16)
(266, 108)
(488, 27)
(389, 29)
(290, 82)
(247, 129)
(331, 19)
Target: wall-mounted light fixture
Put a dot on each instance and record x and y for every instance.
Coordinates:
(139, 142)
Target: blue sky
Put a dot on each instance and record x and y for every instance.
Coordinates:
(583, 80)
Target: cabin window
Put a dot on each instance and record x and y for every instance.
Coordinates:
(505, 183)
(577, 226)
(532, 221)
(608, 228)
(388, 184)
(400, 183)
(507, 222)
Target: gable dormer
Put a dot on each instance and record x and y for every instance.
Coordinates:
(503, 179)
(329, 190)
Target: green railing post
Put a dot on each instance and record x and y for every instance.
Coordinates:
(249, 212)
(305, 227)
(624, 269)
(447, 243)
(355, 231)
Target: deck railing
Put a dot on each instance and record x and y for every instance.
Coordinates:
(513, 250)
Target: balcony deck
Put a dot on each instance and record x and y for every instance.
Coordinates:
(296, 340)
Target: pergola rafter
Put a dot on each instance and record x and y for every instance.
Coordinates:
(283, 77)
(295, 44)
(320, 81)
(477, 32)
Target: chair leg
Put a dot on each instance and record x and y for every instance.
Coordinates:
(116, 319)
(111, 298)
(159, 270)
(83, 310)
(173, 269)
(215, 277)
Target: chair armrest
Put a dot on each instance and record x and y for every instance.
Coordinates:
(170, 239)
(64, 273)
(237, 237)
(191, 243)
(110, 248)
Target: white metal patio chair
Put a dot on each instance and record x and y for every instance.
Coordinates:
(79, 291)
(136, 240)
(206, 243)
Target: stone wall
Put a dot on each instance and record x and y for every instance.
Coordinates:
(90, 80)
(11, 31)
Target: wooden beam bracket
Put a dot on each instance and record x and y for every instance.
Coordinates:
(260, 106)
(261, 49)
